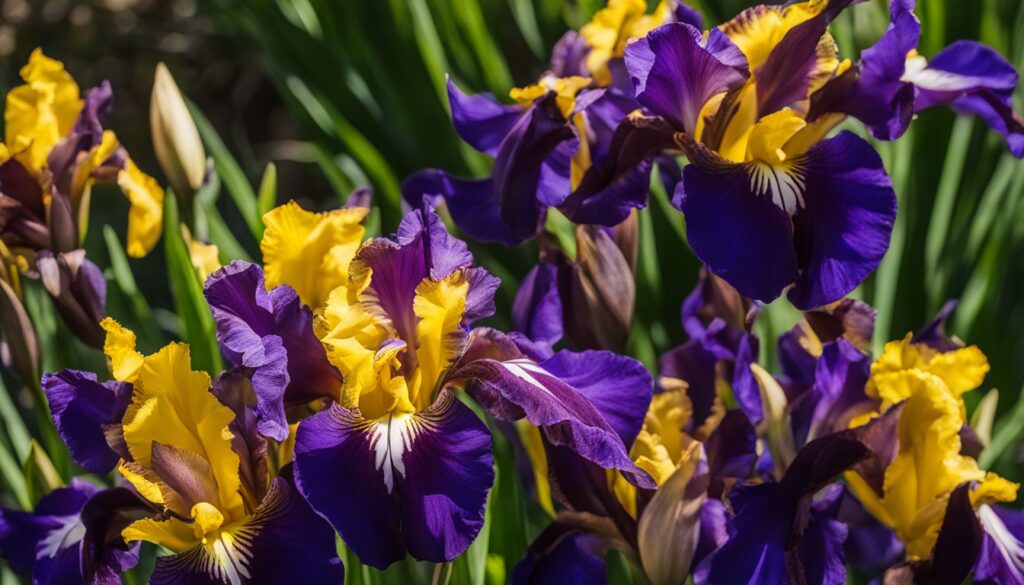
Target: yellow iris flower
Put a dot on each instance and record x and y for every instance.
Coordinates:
(172, 406)
(611, 29)
(929, 464)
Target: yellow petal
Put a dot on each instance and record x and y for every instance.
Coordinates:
(205, 258)
(608, 32)
(145, 219)
(174, 534)
(929, 464)
(770, 134)
(758, 30)
(351, 332)
(207, 516)
(143, 481)
(439, 305)
(81, 179)
(119, 347)
(310, 251)
(994, 489)
(42, 111)
(172, 405)
(534, 446)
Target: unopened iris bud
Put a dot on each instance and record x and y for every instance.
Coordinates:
(175, 136)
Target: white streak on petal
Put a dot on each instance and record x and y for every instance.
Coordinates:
(69, 533)
(1011, 548)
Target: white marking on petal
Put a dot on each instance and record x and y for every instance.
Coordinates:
(391, 438)
(1011, 548)
(69, 533)
(783, 183)
(524, 370)
(916, 71)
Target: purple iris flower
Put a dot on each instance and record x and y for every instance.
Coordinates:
(395, 442)
(541, 153)
(65, 539)
(1001, 558)
(271, 333)
(768, 204)
(891, 82)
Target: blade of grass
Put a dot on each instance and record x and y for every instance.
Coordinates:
(267, 198)
(14, 424)
(1009, 431)
(198, 328)
(125, 280)
(14, 477)
(229, 172)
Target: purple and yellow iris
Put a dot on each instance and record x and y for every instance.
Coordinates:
(378, 362)
(193, 454)
(54, 150)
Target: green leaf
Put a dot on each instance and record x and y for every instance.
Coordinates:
(41, 476)
(230, 173)
(1007, 433)
(14, 478)
(267, 198)
(144, 321)
(14, 424)
(198, 329)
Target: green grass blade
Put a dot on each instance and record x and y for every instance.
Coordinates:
(144, 320)
(198, 328)
(14, 424)
(945, 200)
(230, 173)
(267, 198)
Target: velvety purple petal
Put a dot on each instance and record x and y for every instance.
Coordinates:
(19, 534)
(561, 396)
(713, 534)
(844, 230)
(448, 471)
(1001, 558)
(796, 364)
(104, 515)
(963, 66)
(569, 56)
(481, 120)
(559, 556)
(732, 447)
(472, 203)
(81, 406)
(537, 309)
(336, 471)
(840, 377)
(442, 252)
(686, 14)
(271, 333)
(960, 539)
(480, 298)
(744, 386)
(821, 553)
(555, 179)
(873, 90)
(870, 546)
(674, 73)
(695, 365)
(998, 114)
(741, 236)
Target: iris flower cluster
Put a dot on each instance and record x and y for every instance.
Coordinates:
(361, 393)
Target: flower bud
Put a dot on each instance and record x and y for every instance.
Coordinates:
(175, 137)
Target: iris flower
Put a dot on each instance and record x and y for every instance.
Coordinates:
(383, 359)
(54, 151)
(769, 203)
(929, 489)
(545, 145)
(193, 452)
(892, 82)
(65, 540)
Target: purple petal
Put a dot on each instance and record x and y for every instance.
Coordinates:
(732, 447)
(674, 73)
(480, 120)
(289, 543)
(840, 377)
(81, 406)
(424, 479)
(448, 471)
(537, 309)
(271, 333)
(565, 396)
(569, 56)
(694, 364)
(741, 236)
(471, 202)
(335, 471)
(786, 75)
(20, 532)
(844, 231)
(442, 253)
(998, 114)
(870, 546)
(559, 555)
(964, 66)
(1001, 559)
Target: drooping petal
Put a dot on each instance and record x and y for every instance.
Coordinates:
(1001, 558)
(480, 120)
(844, 231)
(560, 396)
(675, 71)
(560, 555)
(283, 542)
(81, 406)
(272, 333)
(424, 477)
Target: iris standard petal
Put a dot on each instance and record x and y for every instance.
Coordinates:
(480, 120)
(537, 309)
(471, 203)
(675, 71)
(424, 478)
(272, 333)
(81, 406)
